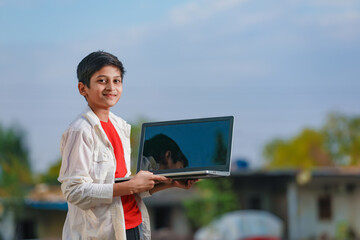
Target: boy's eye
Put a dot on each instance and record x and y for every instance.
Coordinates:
(101, 81)
(117, 81)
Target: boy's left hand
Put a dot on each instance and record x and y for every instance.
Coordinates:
(184, 184)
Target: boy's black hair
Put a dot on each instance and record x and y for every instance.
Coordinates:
(94, 62)
(158, 145)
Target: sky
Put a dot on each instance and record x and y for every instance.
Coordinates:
(276, 66)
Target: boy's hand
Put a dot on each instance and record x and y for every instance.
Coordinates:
(185, 184)
(144, 181)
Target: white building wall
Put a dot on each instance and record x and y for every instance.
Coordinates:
(345, 209)
(307, 214)
(355, 211)
(293, 219)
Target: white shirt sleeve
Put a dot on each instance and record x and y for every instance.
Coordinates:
(76, 183)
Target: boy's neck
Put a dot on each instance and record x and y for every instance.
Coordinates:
(102, 114)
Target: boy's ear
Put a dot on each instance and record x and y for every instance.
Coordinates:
(82, 89)
(168, 156)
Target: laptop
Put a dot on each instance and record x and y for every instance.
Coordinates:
(186, 149)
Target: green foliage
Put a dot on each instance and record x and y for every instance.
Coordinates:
(216, 197)
(52, 174)
(134, 141)
(337, 143)
(306, 150)
(342, 139)
(15, 171)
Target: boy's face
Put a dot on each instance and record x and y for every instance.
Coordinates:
(105, 88)
(169, 163)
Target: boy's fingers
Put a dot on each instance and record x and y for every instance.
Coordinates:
(159, 178)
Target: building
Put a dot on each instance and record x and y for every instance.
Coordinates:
(40, 216)
(317, 204)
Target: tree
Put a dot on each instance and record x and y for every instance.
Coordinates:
(15, 170)
(337, 143)
(52, 174)
(134, 141)
(342, 139)
(216, 197)
(220, 149)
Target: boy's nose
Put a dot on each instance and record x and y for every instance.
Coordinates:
(110, 85)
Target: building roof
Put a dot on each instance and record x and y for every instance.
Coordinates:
(315, 172)
(47, 197)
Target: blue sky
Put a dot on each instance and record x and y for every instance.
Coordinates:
(276, 66)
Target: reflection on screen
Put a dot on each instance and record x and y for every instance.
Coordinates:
(186, 145)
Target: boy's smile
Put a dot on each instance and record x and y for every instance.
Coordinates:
(104, 91)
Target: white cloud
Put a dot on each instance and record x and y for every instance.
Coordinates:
(200, 10)
(337, 20)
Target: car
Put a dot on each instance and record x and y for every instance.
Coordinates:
(243, 225)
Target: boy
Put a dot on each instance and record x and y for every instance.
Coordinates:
(95, 149)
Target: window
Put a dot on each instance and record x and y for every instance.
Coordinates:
(162, 217)
(26, 229)
(324, 207)
(254, 202)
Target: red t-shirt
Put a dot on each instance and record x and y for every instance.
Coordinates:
(131, 211)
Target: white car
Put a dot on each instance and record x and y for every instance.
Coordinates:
(243, 225)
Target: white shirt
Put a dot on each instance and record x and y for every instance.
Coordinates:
(87, 176)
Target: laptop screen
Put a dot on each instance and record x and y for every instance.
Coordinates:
(186, 145)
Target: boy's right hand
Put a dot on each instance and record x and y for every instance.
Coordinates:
(144, 181)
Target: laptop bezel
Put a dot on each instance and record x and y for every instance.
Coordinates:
(220, 168)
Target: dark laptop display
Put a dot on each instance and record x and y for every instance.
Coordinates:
(185, 149)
